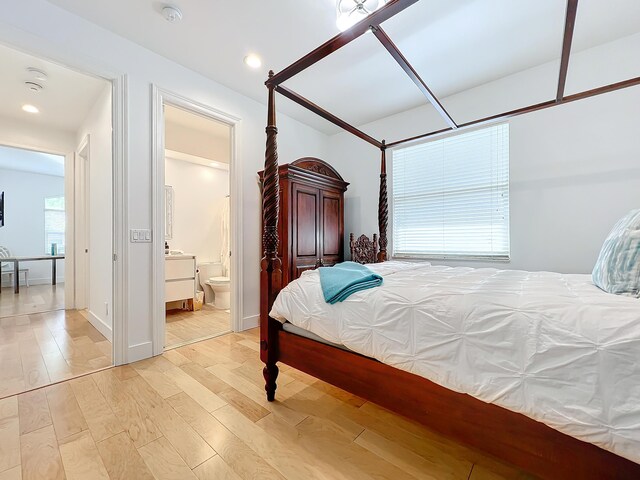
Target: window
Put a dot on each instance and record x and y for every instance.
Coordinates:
(451, 197)
(54, 223)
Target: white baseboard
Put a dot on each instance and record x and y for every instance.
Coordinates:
(140, 352)
(250, 322)
(33, 281)
(103, 327)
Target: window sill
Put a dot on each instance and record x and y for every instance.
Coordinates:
(469, 258)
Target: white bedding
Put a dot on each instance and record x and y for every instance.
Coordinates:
(551, 346)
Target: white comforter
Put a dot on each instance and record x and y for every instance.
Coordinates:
(553, 347)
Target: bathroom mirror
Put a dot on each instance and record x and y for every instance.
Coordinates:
(168, 212)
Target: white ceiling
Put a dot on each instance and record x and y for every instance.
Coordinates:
(31, 161)
(453, 45)
(64, 102)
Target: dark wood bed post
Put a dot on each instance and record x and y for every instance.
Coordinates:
(383, 209)
(271, 266)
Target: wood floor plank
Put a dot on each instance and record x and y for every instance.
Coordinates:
(33, 367)
(164, 462)
(440, 467)
(65, 412)
(40, 455)
(215, 469)
(240, 458)
(9, 434)
(256, 394)
(33, 410)
(205, 397)
(13, 474)
(176, 357)
(160, 382)
(134, 419)
(287, 457)
(189, 445)
(81, 459)
(100, 418)
(124, 372)
(122, 460)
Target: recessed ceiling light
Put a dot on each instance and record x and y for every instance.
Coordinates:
(253, 61)
(172, 14)
(30, 108)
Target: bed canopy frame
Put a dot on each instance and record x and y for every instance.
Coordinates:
(510, 436)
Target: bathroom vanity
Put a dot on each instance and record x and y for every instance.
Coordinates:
(180, 277)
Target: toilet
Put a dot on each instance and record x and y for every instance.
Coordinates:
(216, 287)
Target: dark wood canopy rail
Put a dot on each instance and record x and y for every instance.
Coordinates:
(513, 437)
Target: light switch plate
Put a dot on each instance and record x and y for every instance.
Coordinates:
(137, 235)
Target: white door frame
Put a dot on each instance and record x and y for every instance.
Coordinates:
(159, 98)
(81, 228)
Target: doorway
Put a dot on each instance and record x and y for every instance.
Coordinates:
(56, 312)
(196, 278)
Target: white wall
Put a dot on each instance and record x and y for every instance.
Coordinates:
(97, 126)
(23, 233)
(199, 193)
(15, 133)
(181, 138)
(44, 29)
(574, 168)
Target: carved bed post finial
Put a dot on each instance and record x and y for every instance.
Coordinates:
(270, 271)
(383, 209)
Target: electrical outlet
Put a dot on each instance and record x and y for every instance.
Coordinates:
(140, 235)
(106, 308)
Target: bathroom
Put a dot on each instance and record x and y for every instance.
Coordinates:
(197, 233)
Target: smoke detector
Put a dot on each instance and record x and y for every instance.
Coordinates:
(34, 87)
(172, 14)
(37, 75)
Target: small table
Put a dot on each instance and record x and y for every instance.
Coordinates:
(16, 267)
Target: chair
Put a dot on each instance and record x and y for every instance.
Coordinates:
(364, 250)
(6, 253)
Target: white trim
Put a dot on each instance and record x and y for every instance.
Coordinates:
(250, 322)
(100, 325)
(120, 217)
(159, 98)
(75, 258)
(140, 351)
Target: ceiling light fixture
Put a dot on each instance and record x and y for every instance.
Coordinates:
(37, 74)
(350, 12)
(34, 87)
(253, 60)
(172, 14)
(30, 108)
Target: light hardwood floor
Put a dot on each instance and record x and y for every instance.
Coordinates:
(184, 326)
(33, 299)
(43, 348)
(199, 412)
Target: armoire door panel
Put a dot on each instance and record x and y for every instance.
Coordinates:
(331, 225)
(306, 218)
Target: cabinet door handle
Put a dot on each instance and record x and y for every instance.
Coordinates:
(318, 263)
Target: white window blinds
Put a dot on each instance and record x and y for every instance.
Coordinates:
(451, 196)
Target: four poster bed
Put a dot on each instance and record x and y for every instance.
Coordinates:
(506, 434)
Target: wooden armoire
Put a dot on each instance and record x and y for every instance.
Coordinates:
(311, 220)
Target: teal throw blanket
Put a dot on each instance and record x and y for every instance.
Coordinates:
(345, 279)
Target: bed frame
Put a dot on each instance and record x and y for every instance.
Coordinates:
(510, 436)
